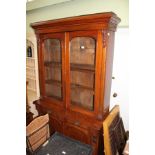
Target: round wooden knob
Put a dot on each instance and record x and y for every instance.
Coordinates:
(77, 123)
(115, 95)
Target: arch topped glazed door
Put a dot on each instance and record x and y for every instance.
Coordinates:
(82, 70)
(53, 64)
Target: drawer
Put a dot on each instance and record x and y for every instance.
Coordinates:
(88, 136)
(78, 120)
(76, 132)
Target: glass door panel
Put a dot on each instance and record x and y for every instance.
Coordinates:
(82, 51)
(53, 68)
(82, 72)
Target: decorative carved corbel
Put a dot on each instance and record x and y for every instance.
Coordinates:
(106, 34)
(38, 39)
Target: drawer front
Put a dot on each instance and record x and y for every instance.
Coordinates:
(75, 122)
(76, 132)
(79, 120)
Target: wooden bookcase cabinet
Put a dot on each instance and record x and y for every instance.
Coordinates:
(75, 57)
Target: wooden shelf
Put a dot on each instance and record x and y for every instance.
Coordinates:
(27, 67)
(85, 48)
(73, 86)
(83, 67)
(32, 78)
(56, 97)
(32, 89)
(54, 82)
(30, 58)
(53, 64)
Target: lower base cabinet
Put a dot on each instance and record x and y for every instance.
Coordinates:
(75, 127)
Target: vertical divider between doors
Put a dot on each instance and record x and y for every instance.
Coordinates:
(67, 70)
(63, 69)
(98, 74)
(41, 68)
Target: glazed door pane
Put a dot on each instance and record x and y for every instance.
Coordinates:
(82, 72)
(53, 68)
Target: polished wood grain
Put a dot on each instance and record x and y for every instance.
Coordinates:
(75, 62)
(108, 20)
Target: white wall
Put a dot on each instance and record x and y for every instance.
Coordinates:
(120, 84)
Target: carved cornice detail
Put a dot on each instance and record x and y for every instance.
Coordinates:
(106, 34)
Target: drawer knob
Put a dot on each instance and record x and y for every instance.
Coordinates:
(115, 95)
(77, 123)
(94, 139)
(49, 111)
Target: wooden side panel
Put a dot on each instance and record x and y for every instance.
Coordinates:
(55, 125)
(98, 106)
(107, 66)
